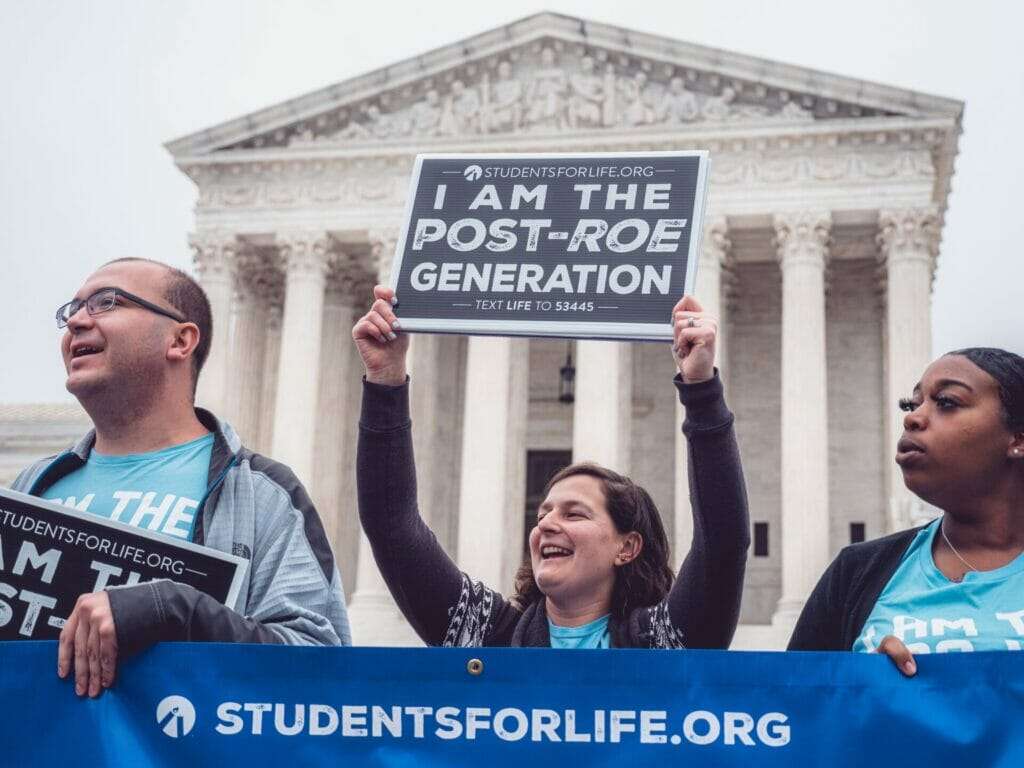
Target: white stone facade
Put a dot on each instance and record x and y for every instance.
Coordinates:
(30, 432)
(825, 212)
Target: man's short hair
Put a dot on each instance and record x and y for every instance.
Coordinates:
(183, 293)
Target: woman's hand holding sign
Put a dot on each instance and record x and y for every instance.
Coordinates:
(383, 347)
(693, 343)
(380, 344)
(898, 654)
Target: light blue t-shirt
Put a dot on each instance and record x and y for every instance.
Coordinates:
(159, 491)
(931, 614)
(592, 635)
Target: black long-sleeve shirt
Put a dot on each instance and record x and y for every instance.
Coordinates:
(447, 607)
(844, 597)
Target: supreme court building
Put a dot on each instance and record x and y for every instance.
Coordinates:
(825, 212)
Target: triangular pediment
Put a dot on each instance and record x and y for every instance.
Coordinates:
(551, 74)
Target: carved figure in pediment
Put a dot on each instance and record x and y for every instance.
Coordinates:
(586, 96)
(719, 107)
(302, 138)
(386, 125)
(749, 110)
(546, 95)
(678, 105)
(354, 130)
(506, 109)
(427, 114)
(462, 112)
(635, 94)
(793, 111)
(378, 125)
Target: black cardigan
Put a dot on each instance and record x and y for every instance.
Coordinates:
(847, 592)
(447, 607)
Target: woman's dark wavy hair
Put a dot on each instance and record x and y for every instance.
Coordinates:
(1007, 369)
(643, 581)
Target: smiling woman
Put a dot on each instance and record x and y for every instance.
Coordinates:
(954, 584)
(589, 511)
(598, 575)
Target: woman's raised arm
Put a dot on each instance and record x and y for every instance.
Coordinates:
(704, 604)
(424, 581)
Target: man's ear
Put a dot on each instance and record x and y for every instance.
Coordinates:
(632, 544)
(184, 343)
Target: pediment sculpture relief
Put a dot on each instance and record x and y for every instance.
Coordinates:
(546, 92)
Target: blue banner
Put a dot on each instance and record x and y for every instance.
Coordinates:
(197, 704)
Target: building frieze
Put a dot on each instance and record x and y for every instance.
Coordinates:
(339, 183)
(832, 135)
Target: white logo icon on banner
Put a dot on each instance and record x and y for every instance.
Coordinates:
(473, 172)
(176, 716)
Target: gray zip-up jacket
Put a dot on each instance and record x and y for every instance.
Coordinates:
(255, 508)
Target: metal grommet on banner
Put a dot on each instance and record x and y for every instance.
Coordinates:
(475, 667)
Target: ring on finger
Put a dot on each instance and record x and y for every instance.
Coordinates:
(691, 322)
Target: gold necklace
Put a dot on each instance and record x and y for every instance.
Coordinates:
(945, 538)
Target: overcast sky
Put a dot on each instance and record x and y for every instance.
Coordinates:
(92, 90)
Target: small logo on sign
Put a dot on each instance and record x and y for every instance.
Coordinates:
(176, 716)
(473, 172)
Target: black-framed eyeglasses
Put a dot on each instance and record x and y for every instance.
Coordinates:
(104, 300)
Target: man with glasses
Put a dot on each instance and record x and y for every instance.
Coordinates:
(136, 336)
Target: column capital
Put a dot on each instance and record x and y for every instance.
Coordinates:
(259, 280)
(305, 254)
(340, 293)
(716, 257)
(909, 234)
(353, 287)
(248, 265)
(214, 254)
(275, 313)
(383, 242)
(715, 245)
(802, 237)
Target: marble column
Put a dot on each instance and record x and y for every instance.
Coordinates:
(802, 240)
(492, 492)
(431, 389)
(909, 243)
(248, 350)
(603, 411)
(383, 241)
(334, 484)
(712, 277)
(437, 406)
(306, 259)
(372, 611)
(268, 396)
(334, 403)
(709, 291)
(214, 259)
